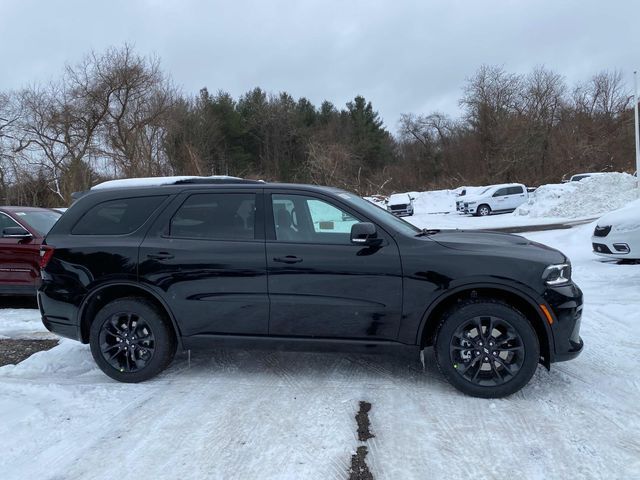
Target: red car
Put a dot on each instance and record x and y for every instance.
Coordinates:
(23, 229)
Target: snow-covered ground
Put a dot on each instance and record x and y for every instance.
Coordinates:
(22, 323)
(274, 415)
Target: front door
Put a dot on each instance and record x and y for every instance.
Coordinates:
(205, 256)
(321, 285)
(500, 200)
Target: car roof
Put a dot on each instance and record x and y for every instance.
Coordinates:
(500, 185)
(13, 209)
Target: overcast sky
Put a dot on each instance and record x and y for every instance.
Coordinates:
(403, 56)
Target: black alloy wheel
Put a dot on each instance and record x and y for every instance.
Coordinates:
(486, 348)
(127, 342)
(132, 339)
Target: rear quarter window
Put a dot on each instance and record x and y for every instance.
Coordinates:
(117, 217)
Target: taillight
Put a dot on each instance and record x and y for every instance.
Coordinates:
(46, 252)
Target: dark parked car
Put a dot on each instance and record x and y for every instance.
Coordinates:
(23, 229)
(141, 271)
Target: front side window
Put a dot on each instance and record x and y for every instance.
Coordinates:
(216, 216)
(117, 217)
(501, 192)
(302, 219)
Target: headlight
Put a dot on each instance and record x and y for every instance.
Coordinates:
(555, 275)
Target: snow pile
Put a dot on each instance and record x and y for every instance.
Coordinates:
(436, 201)
(587, 198)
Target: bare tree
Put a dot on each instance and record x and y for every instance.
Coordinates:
(137, 110)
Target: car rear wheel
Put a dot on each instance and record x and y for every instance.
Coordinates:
(131, 340)
(483, 210)
(486, 348)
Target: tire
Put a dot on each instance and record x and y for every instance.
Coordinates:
(483, 210)
(468, 360)
(132, 340)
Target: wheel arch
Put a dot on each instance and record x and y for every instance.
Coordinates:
(103, 294)
(527, 304)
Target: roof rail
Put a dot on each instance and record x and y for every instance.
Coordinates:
(205, 181)
(175, 180)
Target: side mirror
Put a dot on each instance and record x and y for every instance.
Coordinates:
(411, 197)
(15, 232)
(364, 233)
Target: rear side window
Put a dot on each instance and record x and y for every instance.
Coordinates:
(117, 217)
(6, 222)
(216, 216)
(515, 190)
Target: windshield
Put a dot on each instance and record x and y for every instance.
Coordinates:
(380, 214)
(40, 220)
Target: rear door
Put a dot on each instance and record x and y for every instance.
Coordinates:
(321, 285)
(18, 257)
(206, 256)
(517, 196)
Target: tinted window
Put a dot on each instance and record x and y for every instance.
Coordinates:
(303, 219)
(515, 190)
(501, 192)
(117, 217)
(216, 216)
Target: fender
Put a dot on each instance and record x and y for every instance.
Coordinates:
(124, 283)
(522, 291)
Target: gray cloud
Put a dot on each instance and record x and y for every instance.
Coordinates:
(403, 56)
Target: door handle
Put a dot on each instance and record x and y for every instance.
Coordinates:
(287, 259)
(160, 256)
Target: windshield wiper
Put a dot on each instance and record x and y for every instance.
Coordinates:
(426, 231)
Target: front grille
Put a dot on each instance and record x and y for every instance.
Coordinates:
(602, 231)
(600, 248)
(399, 207)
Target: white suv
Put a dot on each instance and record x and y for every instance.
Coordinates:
(496, 199)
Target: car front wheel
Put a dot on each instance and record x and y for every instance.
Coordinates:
(486, 348)
(483, 210)
(131, 340)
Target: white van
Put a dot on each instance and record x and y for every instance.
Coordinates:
(496, 199)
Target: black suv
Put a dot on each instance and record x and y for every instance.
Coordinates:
(138, 272)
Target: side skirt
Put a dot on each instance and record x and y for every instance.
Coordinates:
(300, 344)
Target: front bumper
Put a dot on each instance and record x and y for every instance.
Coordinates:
(616, 245)
(466, 208)
(402, 212)
(566, 303)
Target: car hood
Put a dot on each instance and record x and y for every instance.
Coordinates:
(399, 199)
(498, 243)
(624, 219)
